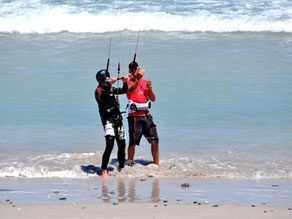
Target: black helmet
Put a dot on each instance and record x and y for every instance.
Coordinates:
(133, 67)
(102, 75)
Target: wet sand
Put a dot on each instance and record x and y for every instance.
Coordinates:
(270, 192)
(143, 210)
(147, 197)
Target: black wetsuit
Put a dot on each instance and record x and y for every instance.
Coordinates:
(109, 110)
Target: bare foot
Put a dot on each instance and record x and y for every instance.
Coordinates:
(104, 174)
(130, 163)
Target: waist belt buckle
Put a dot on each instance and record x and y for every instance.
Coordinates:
(133, 107)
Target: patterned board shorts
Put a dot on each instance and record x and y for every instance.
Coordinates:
(142, 125)
(114, 127)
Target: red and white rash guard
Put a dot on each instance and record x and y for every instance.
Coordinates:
(141, 95)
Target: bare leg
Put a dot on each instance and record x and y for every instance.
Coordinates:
(131, 152)
(155, 153)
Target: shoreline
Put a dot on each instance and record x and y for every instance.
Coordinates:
(143, 210)
(95, 190)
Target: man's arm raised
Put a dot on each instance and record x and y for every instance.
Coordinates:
(138, 75)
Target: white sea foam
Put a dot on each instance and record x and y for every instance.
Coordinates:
(84, 165)
(43, 18)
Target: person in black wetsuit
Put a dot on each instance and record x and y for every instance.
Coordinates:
(112, 121)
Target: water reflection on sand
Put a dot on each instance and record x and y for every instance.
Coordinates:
(125, 190)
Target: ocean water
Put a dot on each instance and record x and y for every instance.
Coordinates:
(221, 71)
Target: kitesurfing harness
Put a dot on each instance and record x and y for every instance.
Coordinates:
(134, 107)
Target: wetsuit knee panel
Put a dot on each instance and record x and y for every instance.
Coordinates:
(110, 140)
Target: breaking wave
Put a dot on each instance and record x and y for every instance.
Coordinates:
(40, 18)
(85, 165)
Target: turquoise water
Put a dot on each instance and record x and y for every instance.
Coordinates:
(223, 106)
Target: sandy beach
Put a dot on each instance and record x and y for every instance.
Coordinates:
(144, 198)
(143, 210)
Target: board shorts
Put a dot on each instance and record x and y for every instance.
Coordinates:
(114, 127)
(142, 125)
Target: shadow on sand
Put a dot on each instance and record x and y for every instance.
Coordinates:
(91, 169)
(139, 161)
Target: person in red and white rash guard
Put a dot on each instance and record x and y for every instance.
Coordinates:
(140, 120)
